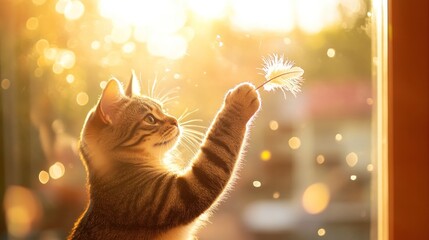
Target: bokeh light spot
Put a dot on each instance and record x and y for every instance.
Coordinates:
(103, 84)
(276, 195)
(265, 155)
(370, 167)
(44, 177)
(321, 232)
(316, 198)
(257, 184)
(352, 159)
(70, 78)
(5, 84)
(330, 52)
(338, 137)
(50, 53)
(41, 45)
(61, 6)
(32, 23)
(82, 98)
(57, 68)
(66, 58)
(294, 143)
(353, 177)
(320, 159)
(22, 211)
(74, 10)
(56, 170)
(274, 125)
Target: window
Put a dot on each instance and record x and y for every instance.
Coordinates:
(309, 170)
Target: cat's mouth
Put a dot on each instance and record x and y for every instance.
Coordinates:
(168, 141)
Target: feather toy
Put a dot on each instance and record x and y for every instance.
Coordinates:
(281, 74)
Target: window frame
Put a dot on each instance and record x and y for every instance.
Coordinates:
(403, 123)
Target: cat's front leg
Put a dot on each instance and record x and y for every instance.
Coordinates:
(191, 194)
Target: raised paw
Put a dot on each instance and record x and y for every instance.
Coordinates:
(244, 100)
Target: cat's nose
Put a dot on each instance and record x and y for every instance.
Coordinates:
(174, 122)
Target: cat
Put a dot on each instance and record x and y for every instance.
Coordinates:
(133, 195)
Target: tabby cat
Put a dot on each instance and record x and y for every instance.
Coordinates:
(133, 194)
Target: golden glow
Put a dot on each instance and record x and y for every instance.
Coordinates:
(32, 23)
(316, 198)
(353, 177)
(321, 232)
(272, 15)
(294, 143)
(166, 16)
(168, 46)
(121, 33)
(330, 52)
(208, 9)
(320, 159)
(352, 159)
(57, 170)
(257, 184)
(95, 45)
(129, 47)
(43, 177)
(60, 58)
(73, 10)
(82, 98)
(274, 125)
(313, 16)
(22, 210)
(38, 2)
(61, 6)
(66, 59)
(161, 24)
(5, 83)
(265, 155)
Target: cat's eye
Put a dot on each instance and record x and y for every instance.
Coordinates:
(150, 119)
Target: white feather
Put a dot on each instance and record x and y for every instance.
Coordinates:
(282, 74)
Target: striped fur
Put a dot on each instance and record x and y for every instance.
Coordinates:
(132, 194)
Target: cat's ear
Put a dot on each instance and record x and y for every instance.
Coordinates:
(133, 87)
(113, 93)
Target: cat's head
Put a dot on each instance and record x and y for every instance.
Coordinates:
(127, 127)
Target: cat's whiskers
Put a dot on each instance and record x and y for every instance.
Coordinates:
(186, 114)
(151, 87)
(191, 138)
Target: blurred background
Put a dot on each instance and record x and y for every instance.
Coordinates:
(308, 171)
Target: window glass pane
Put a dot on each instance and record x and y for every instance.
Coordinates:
(308, 168)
